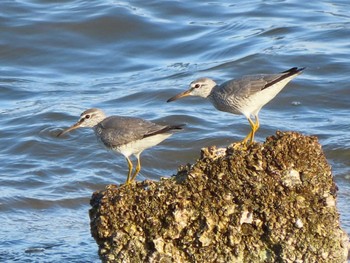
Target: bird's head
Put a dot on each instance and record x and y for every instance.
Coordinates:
(200, 87)
(88, 118)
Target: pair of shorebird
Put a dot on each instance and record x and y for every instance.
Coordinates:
(130, 136)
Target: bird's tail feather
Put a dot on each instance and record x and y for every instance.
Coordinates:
(166, 129)
(285, 74)
(176, 127)
(294, 70)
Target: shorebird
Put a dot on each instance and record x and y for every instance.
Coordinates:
(246, 95)
(125, 135)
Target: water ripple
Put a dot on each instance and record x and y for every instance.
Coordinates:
(128, 58)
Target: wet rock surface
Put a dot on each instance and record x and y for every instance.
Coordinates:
(271, 202)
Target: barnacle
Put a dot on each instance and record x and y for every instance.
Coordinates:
(265, 202)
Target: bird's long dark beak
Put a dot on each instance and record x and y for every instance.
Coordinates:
(180, 95)
(71, 128)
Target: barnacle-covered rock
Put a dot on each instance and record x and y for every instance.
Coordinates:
(271, 202)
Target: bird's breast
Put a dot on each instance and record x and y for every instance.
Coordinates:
(227, 104)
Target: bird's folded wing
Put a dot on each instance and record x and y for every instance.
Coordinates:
(119, 130)
(248, 85)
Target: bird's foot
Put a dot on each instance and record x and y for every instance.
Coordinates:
(238, 145)
(128, 183)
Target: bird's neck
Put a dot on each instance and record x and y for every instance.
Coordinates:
(98, 122)
(211, 93)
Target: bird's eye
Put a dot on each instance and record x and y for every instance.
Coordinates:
(87, 116)
(197, 86)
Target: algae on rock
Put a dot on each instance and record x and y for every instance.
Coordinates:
(271, 202)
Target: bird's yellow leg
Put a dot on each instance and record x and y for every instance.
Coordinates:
(255, 127)
(138, 167)
(250, 135)
(130, 170)
(247, 138)
(257, 124)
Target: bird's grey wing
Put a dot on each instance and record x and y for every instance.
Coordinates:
(117, 130)
(248, 85)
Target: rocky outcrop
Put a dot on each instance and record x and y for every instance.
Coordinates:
(271, 202)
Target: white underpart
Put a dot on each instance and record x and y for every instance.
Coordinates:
(253, 104)
(136, 147)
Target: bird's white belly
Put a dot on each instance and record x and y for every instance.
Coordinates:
(138, 146)
(258, 100)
